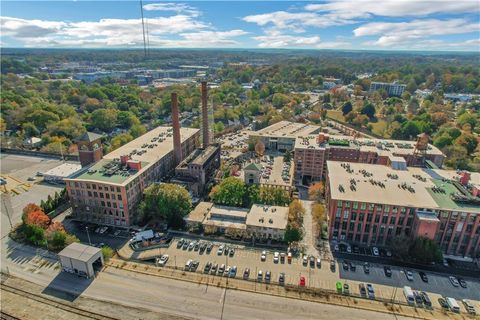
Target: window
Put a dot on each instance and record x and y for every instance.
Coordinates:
(94, 186)
(345, 214)
(363, 206)
(118, 189)
(119, 197)
(89, 193)
(355, 205)
(107, 195)
(101, 195)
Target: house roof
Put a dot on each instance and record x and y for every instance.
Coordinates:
(79, 252)
(89, 137)
(253, 166)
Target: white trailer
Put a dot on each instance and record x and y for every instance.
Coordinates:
(143, 235)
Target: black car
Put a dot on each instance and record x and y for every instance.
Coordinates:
(207, 267)
(180, 243)
(363, 291)
(209, 247)
(226, 250)
(418, 298)
(281, 279)
(345, 265)
(231, 252)
(426, 299)
(462, 282)
(352, 266)
(356, 249)
(194, 266)
(332, 265)
(388, 271)
(423, 276)
(312, 261)
(203, 246)
(443, 303)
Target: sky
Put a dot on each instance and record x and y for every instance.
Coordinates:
(333, 24)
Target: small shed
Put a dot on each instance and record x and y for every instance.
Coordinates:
(81, 259)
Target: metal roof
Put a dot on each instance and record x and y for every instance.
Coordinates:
(79, 252)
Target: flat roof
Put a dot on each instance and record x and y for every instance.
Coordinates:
(80, 252)
(228, 211)
(414, 187)
(205, 154)
(274, 217)
(287, 129)
(64, 170)
(148, 149)
(382, 147)
(199, 213)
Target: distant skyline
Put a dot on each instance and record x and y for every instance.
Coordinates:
(347, 24)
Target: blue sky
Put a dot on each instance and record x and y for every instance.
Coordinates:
(332, 24)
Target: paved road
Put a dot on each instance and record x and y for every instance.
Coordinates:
(175, 297)
(309, 239)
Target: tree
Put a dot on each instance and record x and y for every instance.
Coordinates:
(347, 107)
(468, 141)
(368, 109)
(259, 148)
(104, 119)
(219, 126)
(56, 240)
(279, 100)
(467, 118)
(107, 253)
(288, 156)
(318, 213)
(166, 201)
(137, 130)
(295, 213)
(38, 218)
(425, 250)
(292, 234)
(229, 192)
(274, 196)
(126, 119)
(316, 191)
(33, 234)
(400, 246)
(31, 207)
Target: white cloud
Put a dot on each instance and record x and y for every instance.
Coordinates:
(394, 8)
(173, 31)
(394, 34)
(273, 38)
(173, 7)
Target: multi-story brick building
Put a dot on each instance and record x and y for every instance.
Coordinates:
(371, 204)
(107, 191)
(393, 89)
(313, 151)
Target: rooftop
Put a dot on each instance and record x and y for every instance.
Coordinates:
(287, 129)
(79, 252)
(147, 149)
(274, 217)
(199, 213)
(204, 155)
(383, 147)
(64, 170)
(414, 187)
(89, 137)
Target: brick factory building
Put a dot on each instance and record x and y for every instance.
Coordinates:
(370, 204)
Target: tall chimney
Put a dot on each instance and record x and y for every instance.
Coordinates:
(177, 146)
(205, 128)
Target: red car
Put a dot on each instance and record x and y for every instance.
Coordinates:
(302, 281)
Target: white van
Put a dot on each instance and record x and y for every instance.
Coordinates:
(452, 304)
(407, 291)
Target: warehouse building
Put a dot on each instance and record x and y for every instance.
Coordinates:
(81, 259)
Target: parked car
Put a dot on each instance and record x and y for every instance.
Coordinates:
(423, 276)
(268, 276)
(260, 275)
(180, 243)
(305, 260)
(196, 247)
(188, 264)
(281, 278)
(353, 267)
(345, 265)
(443, 303)
(302, 281)
(363, 291)
(349, 249)
(233, 272)
(375, 251)
(426, 300)
(462, 282)
(312, 261)
(162, 260)
(191, 246)
(220, 250)
(289, 257)
(185, 245)
(418, 298)
(209, 247)
(370, 291)
(282, 257)
(213, 269)
(194, 266)
(221, 269)
(454, 281)
(388, 271)
(227, 271)
(469, 307)
(336, 248)
(319, 263)
(366, 267)
(332, 265)
(389, 253)
(246, 273)
(207, 267)
(263, 257)
(232, 252)
(276, 257)
(409, 275)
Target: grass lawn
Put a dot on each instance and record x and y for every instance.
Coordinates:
(378, 127)
(335, 115)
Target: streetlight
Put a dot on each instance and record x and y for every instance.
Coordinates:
(88, 235)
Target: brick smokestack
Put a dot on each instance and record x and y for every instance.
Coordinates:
(177, 146)
(205, 128)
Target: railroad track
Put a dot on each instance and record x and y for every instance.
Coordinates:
(51, 302)
(6, 316)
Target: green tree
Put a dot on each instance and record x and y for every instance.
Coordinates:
(219, 126)
(467, 118)
(137, 130)
(104, 119)
(229, 192)
(292, 234)
(400, 246)
(33, 234)
(425, 250)
(166, 201)
(347, 107)
(368, 109)
(126, 119)
(107, 253)
(279, 100)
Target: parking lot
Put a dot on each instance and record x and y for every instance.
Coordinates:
(324, 277)
(112, 237)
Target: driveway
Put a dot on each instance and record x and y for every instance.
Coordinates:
(309, 239)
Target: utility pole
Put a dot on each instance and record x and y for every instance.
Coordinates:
(88, 235)
(7, 206)
(143, 28)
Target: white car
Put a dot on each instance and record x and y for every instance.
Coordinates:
(220, 250)
(454, 281)
(336, 248)
(349, 249)
(409, 275)
(375, 251)
(263, 257)
(276, 256)
(162, 260)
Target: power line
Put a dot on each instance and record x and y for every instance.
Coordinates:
(143, 28)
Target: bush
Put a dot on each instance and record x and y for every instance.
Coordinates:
(107, 253)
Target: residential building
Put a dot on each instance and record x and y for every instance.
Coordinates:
(108, 191)
(371, 204)
(393, 89)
